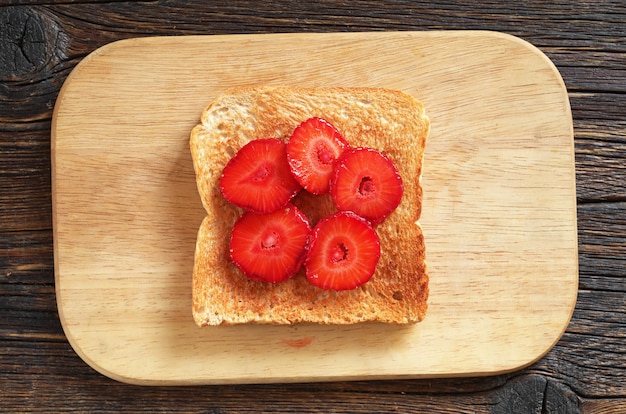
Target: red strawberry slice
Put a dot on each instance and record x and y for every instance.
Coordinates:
(367, 183)
(270, 247)
(258, 177)
(343, 252)
(312, 151)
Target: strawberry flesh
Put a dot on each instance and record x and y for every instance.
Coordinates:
(312, 151)
(270, 247)
(366, 182)
(343, 252)
(258, 177)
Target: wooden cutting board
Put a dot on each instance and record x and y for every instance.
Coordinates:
(499, 209)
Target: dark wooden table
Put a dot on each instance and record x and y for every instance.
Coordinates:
(42, 41)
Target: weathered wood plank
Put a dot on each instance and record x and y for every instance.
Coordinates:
(26, 257)
(602, 246)
(524, 394)
(25, 195)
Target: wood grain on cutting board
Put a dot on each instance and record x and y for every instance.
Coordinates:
(499, 212)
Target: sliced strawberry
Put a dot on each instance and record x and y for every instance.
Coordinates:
(343, 252)
(258, 178)
(366, 182)
(270, 247)
(312, 151)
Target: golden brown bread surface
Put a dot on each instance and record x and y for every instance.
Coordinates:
(390, 121)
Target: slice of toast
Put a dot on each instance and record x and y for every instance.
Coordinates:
(390, 121)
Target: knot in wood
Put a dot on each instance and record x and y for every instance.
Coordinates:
(25, 42)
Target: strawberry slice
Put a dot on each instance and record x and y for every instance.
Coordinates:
(270, 247)
(258, 177)
(367, 183)
(312, 151)
(343, 252)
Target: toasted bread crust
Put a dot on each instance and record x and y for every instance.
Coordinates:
(390, 121)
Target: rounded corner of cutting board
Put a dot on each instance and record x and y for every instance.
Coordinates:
(112, 372)
(76, 343)
(516, 40)
(74, 74)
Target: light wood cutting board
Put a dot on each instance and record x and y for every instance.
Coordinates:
(499, 211)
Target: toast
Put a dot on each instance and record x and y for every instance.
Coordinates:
(390, 121)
